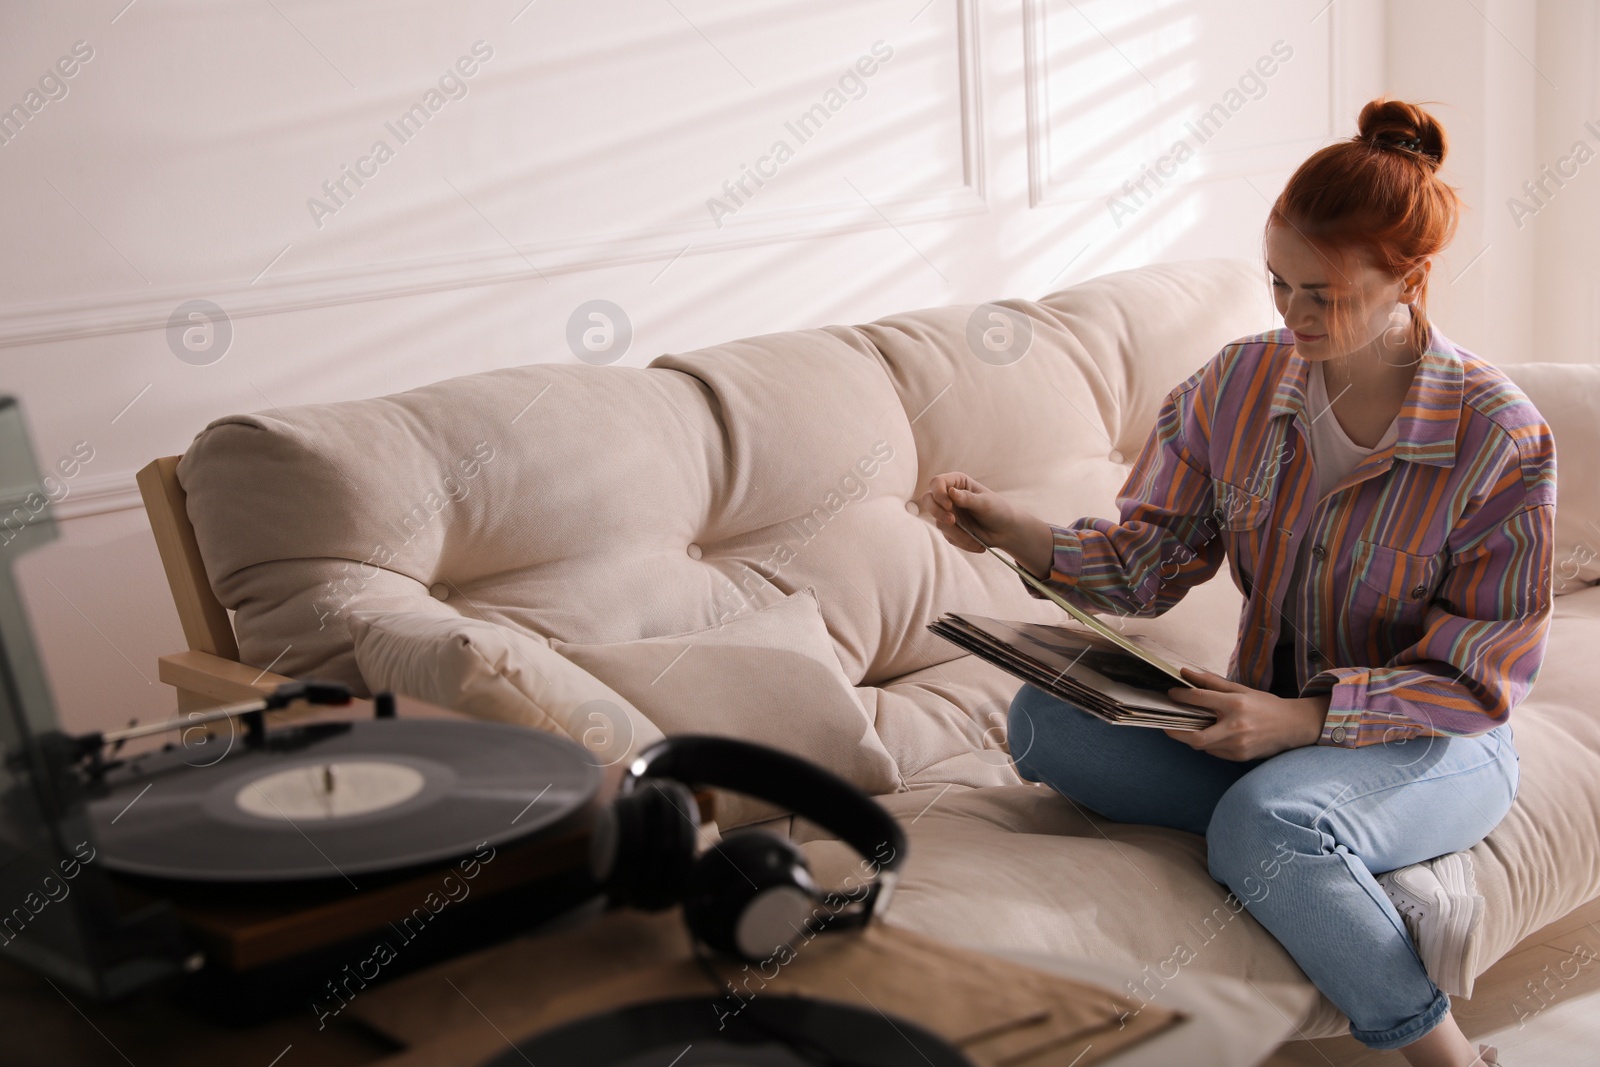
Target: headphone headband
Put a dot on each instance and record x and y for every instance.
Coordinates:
(769, 774)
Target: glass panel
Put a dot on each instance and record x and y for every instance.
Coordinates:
(57, 910)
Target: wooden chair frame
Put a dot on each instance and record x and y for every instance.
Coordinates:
(209, 674)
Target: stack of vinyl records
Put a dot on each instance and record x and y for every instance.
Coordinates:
(1083, 668)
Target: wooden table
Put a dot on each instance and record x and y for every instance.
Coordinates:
(42, 1023)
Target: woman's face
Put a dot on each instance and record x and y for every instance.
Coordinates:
(1310, 290)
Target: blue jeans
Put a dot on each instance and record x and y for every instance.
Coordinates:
(1298, 837)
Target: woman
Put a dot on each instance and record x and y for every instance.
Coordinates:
(1387, 501)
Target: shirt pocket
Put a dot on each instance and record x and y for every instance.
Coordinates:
(1236, 509)
(1393, 582)
(1240, 516)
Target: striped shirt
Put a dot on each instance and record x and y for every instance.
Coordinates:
(1425, 604)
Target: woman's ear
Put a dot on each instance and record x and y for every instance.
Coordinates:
(1411, 285)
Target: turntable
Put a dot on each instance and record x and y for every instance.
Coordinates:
(258, 866)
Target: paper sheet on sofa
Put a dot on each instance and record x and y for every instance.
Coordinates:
(1081, 667)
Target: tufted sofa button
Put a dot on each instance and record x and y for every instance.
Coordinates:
(1115, 455)
(694, 551)
(912, 507)
(439, 591)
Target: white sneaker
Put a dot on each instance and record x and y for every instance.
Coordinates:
(1441, 907)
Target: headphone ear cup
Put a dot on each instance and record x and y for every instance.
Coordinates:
(750, 896)
(652, 851)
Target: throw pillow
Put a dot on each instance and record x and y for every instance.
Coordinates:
(771, 676)
(492, 672)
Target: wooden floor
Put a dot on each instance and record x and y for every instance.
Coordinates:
(1540, 1006)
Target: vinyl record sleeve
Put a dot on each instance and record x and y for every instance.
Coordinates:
(776, 1031)
(1079, 667)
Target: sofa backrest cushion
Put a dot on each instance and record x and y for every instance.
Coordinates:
(1565, 394)
(604, 504)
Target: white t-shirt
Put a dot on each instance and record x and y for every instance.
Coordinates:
(1333, 456)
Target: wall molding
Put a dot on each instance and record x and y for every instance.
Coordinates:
(1036, 86)
(1045, 190)
(99, 495)
(72, 320)
(241, 298)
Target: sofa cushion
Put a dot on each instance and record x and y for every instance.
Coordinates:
(1054, 877)
(769, 676)
(492, 672)
(711, 481)
(1022, 867)
(1541, 862)
(1565, 395)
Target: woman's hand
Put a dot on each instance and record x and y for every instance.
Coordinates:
(992, 517)
(1251, 723)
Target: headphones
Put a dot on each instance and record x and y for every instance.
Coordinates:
(751, 895)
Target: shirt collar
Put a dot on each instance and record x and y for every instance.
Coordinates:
(1430, 415)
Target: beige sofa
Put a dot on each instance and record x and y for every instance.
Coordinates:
(728, 540)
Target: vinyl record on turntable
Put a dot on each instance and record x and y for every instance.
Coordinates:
(339, 799)
(768, 1031)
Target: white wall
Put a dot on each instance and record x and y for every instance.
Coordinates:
(976, 162)
(1476, 71)
(1565, 226)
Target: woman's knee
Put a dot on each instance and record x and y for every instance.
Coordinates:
(1040, 727)
(1021, 727)
(1253, 831)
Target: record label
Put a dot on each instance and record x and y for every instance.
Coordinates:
(325, 790)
